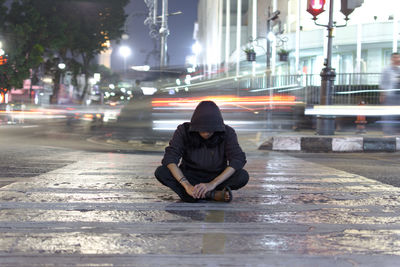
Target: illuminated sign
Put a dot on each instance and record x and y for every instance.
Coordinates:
(3, 60)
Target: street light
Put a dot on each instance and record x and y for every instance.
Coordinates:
(61, 67)
(196, 48)
(125, 52)
(326, 124)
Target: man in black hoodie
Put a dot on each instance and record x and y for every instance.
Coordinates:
(211, 160)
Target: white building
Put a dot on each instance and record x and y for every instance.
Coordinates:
(227, 27)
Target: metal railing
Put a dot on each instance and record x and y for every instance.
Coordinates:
(349, 88)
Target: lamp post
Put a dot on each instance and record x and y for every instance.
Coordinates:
(164, 32)
(125, 52)
(61, 66)
(326, 124)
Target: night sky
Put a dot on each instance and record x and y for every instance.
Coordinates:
(180, 39)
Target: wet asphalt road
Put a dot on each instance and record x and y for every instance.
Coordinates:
(83, 203)
(382, 167)
(22, 146)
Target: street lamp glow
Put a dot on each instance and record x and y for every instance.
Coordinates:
(196, 48)
(125, 51)
(61, 66)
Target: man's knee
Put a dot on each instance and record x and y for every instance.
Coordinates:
(242, 178)
(162, 173)
(237, 180)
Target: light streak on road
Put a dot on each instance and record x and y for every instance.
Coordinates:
(353, 110)
(249, 103)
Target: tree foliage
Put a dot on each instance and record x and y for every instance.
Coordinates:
(22, 41)
(42, 33)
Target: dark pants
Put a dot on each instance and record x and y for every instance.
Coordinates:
(391, 123)
(238, 179)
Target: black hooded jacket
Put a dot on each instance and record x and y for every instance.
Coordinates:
(212, 155)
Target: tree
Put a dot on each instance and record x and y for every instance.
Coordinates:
(23, 37)
(48, 31)
(79, 31)
(91, 24)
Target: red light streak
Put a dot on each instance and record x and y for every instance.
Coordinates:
(227, 101)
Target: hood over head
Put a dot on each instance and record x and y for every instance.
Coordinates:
(207, 118)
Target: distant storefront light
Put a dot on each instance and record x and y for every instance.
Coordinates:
(97, 77)
(148, 90)
(141, 68)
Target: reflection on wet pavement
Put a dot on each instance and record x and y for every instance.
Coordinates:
(292, 212)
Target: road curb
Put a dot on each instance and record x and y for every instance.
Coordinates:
(331, 144)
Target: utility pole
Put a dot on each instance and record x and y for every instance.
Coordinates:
(270, 17)
(268, 55)
(268, 71)
(326, 124)
(156, 30)
(164, 32)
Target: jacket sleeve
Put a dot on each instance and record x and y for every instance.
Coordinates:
(174, 151)
(234, 154)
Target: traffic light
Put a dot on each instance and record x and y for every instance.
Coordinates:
(315, 7)
(348, 6)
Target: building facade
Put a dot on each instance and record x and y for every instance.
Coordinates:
(227, 27)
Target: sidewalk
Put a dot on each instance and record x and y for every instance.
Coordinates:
(309, 141)
(107, 209)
